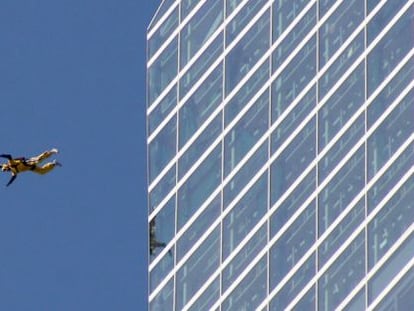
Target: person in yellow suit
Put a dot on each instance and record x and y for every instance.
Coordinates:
(22, 164)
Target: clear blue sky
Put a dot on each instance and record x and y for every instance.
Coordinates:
(72, 76)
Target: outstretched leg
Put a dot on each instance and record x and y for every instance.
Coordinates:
(42, 156)
(46, 168)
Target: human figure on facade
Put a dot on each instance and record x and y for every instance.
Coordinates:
(154, 243)
(22, 164)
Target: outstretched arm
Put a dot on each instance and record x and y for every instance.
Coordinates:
(11, 180)
(7, 156)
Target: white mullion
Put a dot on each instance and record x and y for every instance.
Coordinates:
(202, 49)
(281, 68)
(348, 242)
(326, 149)
(162, 19)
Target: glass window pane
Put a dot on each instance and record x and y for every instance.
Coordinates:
(162, 149)
(341, 190)
(164, 6)
(164, 301)
(247, 52)
(197, 229)
(245, 94)
(208, 298)
(401, 296)
(199, 186)
(161, 270)
(391, 134)
(391, 177)
(302, 109)
(308, 302)
(250, 292)
(162, 228)
(300, 71)
(200, 66)
(339, 235)
(245, 174)
(198, 268)
(382, 18)
(199, 146)
(284, 12)
(398, 41)
(187, 6)
(161, 190)
(292, 245)
(339, 26)
(244, 257)
(341, 106)
(243, 17)
(293, 160)
(391, 222)
(295, 284)
(341, 65)
(200, 28)
(162, 33)
(324, 6)
(390, 92)
(244, 216)
(358, 302)
(162, 110)
(162, 71)
(293, 202)
(341, 148)
(390, 269)
(200, 106)
(343, 275)
(294, 38)
(246, 133)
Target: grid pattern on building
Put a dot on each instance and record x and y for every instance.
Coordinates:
(280, 154)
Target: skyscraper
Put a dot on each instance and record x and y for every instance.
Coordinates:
(280, 155)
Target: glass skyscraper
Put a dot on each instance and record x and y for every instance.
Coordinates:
(280, 155)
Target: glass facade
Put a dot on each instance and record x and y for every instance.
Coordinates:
(280, 139)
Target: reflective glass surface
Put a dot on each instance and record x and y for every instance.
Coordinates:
(164, 300)
(246, 133)
(284, 12)
(243, 17)
(341, 65)
(251, 291)
(292, 245)
(343, 275)
(199, 186)
(357, 303)
(390, 50)
(300, 71)
(162, 33)
(339, 26)
(293, 160)
(341, 190)
(245, 94)
(198, 269)
(201, 65)
(164, 6)
(162, 148)
(162, 71)
(391, 134)
(200, 106)
(389, 270)
(162, 110)
(199, 227)
(307, 303)
(244, 216)
(294, 285)
(247, 52)
(199, 146)
(161, 270)
(199, 29)
(161, 190)
(208, 298)
(391, 222)
(244, 257)
(341, 106)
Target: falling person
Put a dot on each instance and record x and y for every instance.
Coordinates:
(18, 165)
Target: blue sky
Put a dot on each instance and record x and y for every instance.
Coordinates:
(72, 76)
